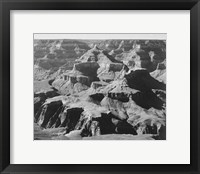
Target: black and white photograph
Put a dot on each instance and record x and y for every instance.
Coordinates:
(99, 86)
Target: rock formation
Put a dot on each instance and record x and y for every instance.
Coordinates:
(114, 89)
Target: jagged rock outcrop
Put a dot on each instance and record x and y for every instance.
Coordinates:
(78, 79)
(97, 84)
(116, 109)
(39, 98)
(117, 87)
(73, 85)
(90, 55)
(47, 113)
(127, 56)
(107, 117)
(109, 72)
(87, 68)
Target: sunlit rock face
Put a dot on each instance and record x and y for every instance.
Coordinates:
(111, 89)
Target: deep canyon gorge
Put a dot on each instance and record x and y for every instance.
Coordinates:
(99, 89)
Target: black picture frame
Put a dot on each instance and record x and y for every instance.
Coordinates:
(7, 5)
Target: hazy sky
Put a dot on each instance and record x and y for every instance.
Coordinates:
(107, 36)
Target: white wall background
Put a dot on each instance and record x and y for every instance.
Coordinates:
(175, 150)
